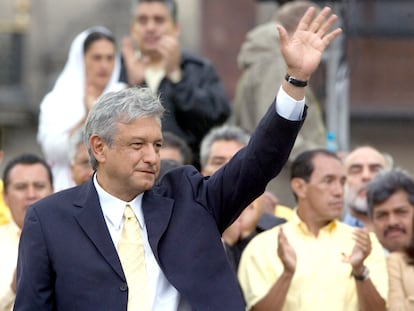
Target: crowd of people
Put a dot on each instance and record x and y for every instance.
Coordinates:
(155, 193)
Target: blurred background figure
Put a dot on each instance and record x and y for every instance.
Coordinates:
(174, 148)
(263, 68)
(188, 85)
(361, 165)
(27, 178)
(4, 210)
(92, 68)
(80, 165)
(390, 199)
(401, 278)
(173, 153)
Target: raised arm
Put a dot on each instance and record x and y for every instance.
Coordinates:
(303, 50)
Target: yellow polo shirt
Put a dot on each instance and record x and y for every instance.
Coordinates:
(322, 280)
(4, 210)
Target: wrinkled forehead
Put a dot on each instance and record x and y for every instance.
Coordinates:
(327, 166)
(365, 156)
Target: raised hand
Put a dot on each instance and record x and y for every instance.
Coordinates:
(286, 253)
(303, 50)
(361, 250)
(169, 49)
(135, 64)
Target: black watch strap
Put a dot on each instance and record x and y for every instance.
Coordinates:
(295, 82)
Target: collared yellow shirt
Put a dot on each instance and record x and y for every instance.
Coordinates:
(9, 242)
(4, 210)
(322, 279)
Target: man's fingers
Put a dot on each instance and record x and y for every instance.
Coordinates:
(320, 20)
(283, 36)
(330, 36)
(324, 28)
(306, 19)
(362, 240)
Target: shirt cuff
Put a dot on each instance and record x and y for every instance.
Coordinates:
(288, 107)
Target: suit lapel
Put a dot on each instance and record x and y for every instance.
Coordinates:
(157, 213)
(92, 221)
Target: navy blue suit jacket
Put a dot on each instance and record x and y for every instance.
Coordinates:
(67, 260)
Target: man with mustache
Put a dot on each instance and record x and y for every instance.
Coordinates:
(361, 165)
(390, 198)
(315, 262)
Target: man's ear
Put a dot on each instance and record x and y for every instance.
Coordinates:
(98, 148)
(298, 186)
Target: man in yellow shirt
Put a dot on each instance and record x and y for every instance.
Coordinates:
(315, 262)
(27, 179)
(4, 210)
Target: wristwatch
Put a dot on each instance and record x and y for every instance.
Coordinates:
(295, 82)
(363, 276)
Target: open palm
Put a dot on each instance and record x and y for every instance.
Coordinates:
(303, 50)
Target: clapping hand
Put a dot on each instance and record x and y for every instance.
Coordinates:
(286, 253)
(361, 250)
(169, 49)
(135, 64)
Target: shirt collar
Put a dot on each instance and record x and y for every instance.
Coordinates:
(300, 224)
(113, 208)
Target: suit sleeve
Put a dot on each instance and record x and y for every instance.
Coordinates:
(246, 175)
(35, 288)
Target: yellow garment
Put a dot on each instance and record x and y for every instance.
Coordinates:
(4, 210)
(401, 275)
(322, 280)
(283, 211)
(9, 242)
(132, 256)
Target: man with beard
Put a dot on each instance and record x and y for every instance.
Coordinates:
(361, 165)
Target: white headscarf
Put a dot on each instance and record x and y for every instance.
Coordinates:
(63, 108)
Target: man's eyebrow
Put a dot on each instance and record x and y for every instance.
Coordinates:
(355, 165)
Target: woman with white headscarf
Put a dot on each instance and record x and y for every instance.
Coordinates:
(92, 69)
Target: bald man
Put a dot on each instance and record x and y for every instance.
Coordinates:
(361, 165)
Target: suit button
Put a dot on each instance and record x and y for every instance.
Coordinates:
(123, 287)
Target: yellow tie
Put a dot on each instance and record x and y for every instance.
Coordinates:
(132, 256)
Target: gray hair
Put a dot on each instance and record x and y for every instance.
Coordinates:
(74, 142)
(119, 107)
(224, 132)
(385, 184)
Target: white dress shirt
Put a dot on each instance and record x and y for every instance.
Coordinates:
(162, 295)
